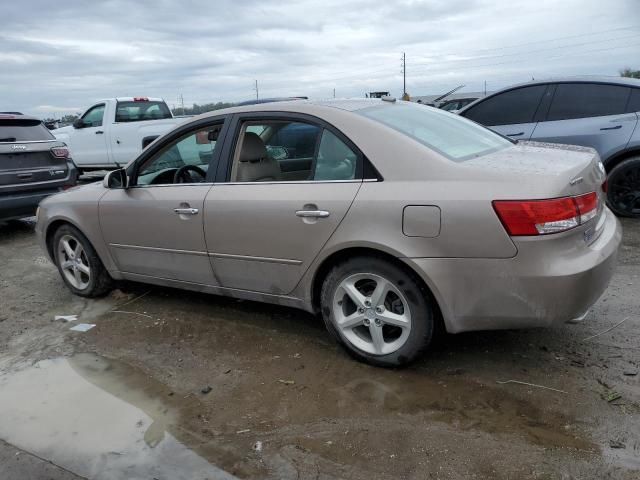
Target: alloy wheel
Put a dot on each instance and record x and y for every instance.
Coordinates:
(74, 262)
(371, 313)
(624, 191)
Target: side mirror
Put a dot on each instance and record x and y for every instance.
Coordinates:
(115, 179)
(79, 123)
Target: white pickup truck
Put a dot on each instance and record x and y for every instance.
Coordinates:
(112, 132)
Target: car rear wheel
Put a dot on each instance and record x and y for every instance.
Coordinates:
(378, 312)
(78, 263)
(623, 194)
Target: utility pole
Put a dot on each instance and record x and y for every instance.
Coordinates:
(182, 103)
(404, 74)
(334, 93)
(256, 87)
(485, 88)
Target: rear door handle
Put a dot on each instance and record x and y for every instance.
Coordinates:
(312, 213)
(515, 134)
(186, 211)
(24, 175)
(99, 132)
(611, 128)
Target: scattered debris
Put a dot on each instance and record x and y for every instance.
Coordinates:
(612, 396)
(65, 318)
(122, 295)
(630, 373)
(246, 430)
(607, 330)
(455, 371)
(616, 444)
(287, 382)
(206, 389)
(530, 385)
(83, 327)
(297, 355)
(257, 446)
(131, 313)
(227, 371)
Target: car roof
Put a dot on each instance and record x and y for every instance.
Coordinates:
(301, 106)
(625, 81)
(18, 116)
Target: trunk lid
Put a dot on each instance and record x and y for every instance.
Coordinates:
(23, 164)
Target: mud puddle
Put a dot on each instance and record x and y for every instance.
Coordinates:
(100, 419)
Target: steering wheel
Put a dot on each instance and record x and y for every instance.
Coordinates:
(182, 175)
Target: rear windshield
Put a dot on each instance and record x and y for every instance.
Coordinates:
(139, 111)
(450, 135)
(15, 130)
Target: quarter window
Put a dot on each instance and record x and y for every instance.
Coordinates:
(582, 100)
(282, 151)
(93, 118)
(515, 106)
(634, 101)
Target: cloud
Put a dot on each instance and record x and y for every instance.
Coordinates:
(74, 52)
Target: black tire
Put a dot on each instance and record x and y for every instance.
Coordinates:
(623, 183)
(420, 303)
(99, 281)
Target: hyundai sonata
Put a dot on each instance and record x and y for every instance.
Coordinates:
(388, 218)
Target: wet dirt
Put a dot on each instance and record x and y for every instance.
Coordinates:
(285, 402)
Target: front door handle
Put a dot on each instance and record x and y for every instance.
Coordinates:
(611, 128)
(186, 211)
(99, 132)
(515, 134)
(312, 213)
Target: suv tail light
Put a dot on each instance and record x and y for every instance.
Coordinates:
(541, 217)
(60, 152)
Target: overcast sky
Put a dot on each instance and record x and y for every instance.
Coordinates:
(60, 56)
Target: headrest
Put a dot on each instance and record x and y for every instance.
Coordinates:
(253, 148)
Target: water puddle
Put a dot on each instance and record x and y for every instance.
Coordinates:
(98, 418)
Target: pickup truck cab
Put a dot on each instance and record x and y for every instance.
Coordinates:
(112, 132)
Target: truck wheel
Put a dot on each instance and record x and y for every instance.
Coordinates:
(623, 188)
(78, 263)
(377, 311)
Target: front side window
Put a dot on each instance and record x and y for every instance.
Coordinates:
(450, 135)
(281, 151)
(508, 108)
(139, 111)
(192, 154)
(93, 118)
(583, 100)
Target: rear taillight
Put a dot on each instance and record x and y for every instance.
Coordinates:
(542, 217)
(60, 152)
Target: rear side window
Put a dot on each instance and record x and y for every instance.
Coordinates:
(14, 130)
(634, 101)
(514, 106)
(140, 111)
(582, 100)
(450, 135)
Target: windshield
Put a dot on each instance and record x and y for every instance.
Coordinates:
(450, 135)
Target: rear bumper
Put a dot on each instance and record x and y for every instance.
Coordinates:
(532, 289)
(23, 204)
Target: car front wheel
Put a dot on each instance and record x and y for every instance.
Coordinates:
(377, 311)
(78, 263)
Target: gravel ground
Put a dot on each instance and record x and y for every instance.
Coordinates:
(258, 391)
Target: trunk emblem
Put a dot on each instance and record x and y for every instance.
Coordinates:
(18, 147)
(576, 181)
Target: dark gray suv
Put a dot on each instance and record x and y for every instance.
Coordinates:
(595, 112)
(33, 165)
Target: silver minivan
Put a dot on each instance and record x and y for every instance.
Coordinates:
(597, 112)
